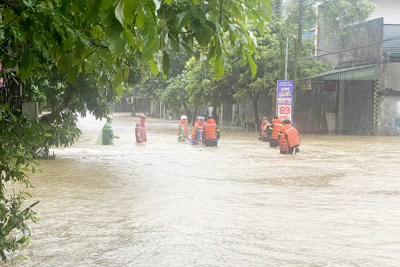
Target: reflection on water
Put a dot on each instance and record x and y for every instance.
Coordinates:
(165, 203)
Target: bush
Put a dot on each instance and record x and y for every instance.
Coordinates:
(19, 141)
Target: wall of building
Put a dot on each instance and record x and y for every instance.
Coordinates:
(390, 77)
(369, 32)
(389, 119)
(387, 9)
(312, 106)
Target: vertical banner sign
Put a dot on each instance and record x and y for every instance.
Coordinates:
(284, 100)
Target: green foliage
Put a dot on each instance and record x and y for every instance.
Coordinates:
(350, 12)
(175, 95)
(92, 51)
(19, 139)
(201, 84)
(86, 36)
(61, 131)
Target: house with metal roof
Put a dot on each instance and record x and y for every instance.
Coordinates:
(361, 95)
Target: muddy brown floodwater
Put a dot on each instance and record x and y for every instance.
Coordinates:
(164, 203)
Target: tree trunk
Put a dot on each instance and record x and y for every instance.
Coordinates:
(187, 112)
(255, 108)
(194, 116)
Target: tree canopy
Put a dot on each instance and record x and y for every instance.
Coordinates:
(99, 36)
(68, 53)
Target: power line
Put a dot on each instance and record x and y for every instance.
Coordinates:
(356, 47)
(335, 52)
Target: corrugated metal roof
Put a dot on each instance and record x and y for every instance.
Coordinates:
(358, 73)
(391, 31)
(369, 72)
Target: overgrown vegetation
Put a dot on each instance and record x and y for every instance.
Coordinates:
(20, 139)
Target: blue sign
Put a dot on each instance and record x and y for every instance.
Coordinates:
(284, 100)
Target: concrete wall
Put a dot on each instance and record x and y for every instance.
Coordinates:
(388, 9)
(389, 120)
(389, 100)
(364, 33)
(390, 77)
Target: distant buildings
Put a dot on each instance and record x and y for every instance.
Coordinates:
(361, 96)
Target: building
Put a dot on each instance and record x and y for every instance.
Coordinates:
(361, 96)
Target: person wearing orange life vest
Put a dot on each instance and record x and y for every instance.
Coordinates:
(289, 142)
(197, 132)
(263, 131)
(277, 120)
(140, 130)
(283, 142)
(274, 129)
(211, 133)
(183, 130)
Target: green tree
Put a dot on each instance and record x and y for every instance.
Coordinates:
(201, 87)
(84, 52)
(19, 139)
(86, 36)
(175, 95)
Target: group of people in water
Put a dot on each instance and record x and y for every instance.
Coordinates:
(280, 133)
(206, 132)
(277, 133)
(107, 135)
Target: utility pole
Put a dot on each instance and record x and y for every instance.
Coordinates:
(286, 60)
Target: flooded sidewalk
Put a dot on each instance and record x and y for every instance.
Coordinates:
(165, 203)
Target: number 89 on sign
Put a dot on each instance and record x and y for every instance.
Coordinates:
(285, 112)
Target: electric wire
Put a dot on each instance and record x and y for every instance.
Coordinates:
(333, 53)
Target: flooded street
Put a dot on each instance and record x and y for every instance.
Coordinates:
(165, 203)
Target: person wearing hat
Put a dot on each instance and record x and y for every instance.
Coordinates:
(140, 130)
(211, 133)
(197, 132)
(263, 132)
(183, 130)
(107, 135)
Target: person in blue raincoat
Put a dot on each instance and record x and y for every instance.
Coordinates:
(107, 134)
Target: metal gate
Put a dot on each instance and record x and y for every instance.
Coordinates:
(358, 107)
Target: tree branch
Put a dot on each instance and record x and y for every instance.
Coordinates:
(3, 27)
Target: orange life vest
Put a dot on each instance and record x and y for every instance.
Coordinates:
(262, 128)
(283, 144)
(286, 127)
(210, 129)
(292, 137)
(276, 131)
(279, 121)
(194, 132)
(185, 132)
